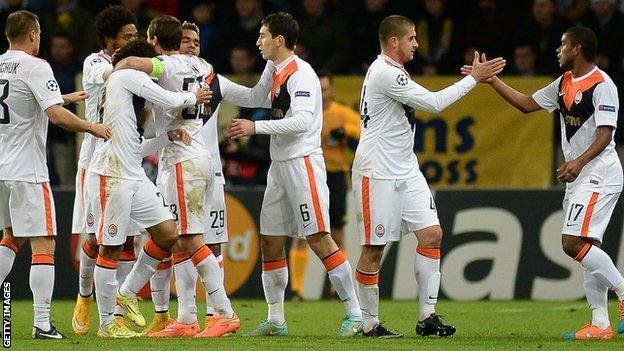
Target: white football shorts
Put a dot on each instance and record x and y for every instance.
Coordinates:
(28, 208)
(587, 213)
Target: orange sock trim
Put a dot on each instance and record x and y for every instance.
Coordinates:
(334, 260)
(430, 252)
(42, 258)
(367, 278)
(128, 255)
(10, 244)
(200, 254)
(179, 257)
(584, 250)
(155, 251)
(273, 265)
(88, 250)
(164, 265)
(106, 263)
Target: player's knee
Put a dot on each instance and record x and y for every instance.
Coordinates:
(92, 242)
(572, 245)
(129, 244)
(110, 252)
(215, 248)
(272, 247)
(430, 237)
(43, 245)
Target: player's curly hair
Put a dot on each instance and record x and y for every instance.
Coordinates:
(138, 48)
(109, 22)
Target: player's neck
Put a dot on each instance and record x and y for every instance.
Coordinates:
(168, 52)
(581, 68)
(22, 47)
(394, 56)
(281, 56)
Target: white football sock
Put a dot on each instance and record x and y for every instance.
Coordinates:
(367, 284)
(210, 274)
(274, 281)
(42, 285)
(427, 273)
(341, 276)
(105, 277)
(186, 285)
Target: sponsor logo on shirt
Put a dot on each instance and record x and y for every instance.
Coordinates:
(593, 181)
(607, 108)
(302, 93)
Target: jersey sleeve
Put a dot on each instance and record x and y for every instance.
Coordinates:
(154, 145)
(606, 104)
(163, 70)
(303, 90)
(94, 69)
(140, 84)
(400, 87)
(44, 86)
(258, 96)
(547, 96)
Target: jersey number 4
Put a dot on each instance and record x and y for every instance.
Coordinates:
(5, 118)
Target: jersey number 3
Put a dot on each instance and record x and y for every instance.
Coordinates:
(5, 118)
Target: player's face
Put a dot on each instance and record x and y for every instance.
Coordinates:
(190, 42)
(407, 45)
(267, 44)
(565, 53)
(126, 34)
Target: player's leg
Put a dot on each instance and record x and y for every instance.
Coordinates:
(337, 184)
(586, 218)
(186, 287)
(216, 234)
(42, 286)
(216, 250)
(298, 258)
(9, 247)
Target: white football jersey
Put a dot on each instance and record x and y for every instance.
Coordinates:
(126, 93)
(93, 70)
(585, 103)
(182, 73)
(293, 93)
(389, 97)
(27, 89)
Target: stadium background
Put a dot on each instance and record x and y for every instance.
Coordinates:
(492, 168)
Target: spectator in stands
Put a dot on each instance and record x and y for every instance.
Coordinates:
(203, 16)
(62, 142)
(435, 32)
(524, 59)
(364, 29)
(163, 7)
(543, 28)
(607, 21)
(69, 18)
(242, 63)
(573, 10)
(488, 28)
(6, 9)
(324, 33)
(142, 14)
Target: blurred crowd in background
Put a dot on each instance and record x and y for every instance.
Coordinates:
(338, 36)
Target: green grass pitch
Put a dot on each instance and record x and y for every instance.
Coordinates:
(483, 325)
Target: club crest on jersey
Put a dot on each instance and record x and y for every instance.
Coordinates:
(277, 113)
(380, 230)
(578, 96)
(277, 91)
(90, 220)
(402, 79)
(112, 230)
(52, 85)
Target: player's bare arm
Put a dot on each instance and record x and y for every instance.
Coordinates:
(75, 97)
(143, 64)
(67, 120)
(569, 171)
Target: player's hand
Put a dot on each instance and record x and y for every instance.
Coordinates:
(100, 131)
(203, 95)
(179, 134)
(483, 70)
(240, 128)
(569, 171)
(75, 97)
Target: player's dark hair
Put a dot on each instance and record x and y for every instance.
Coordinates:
(284, 24)
(393, 26)
(326, 74)
(109, 22)
(19, 24)
(586, 38)
(138, 48)
(168, 30)
(190, 26)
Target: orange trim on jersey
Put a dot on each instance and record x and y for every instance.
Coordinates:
(180, 257)
(88, 250)
(273, 265)
(128, 255)
(588, 214)
(366, 278)
(201, 254)
(430, 252)
(366, 212)
(155, 251)
(318, 214)
(334, 260)
(181, 201)
(10, 244)
(570, 88)
(106, 263)
(102, 208)
(209, 78)
(47, 203)
(280, 78)
(584, 250)
(164, 265)
(42, 258)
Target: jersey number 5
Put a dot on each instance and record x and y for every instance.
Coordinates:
(5, 118)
